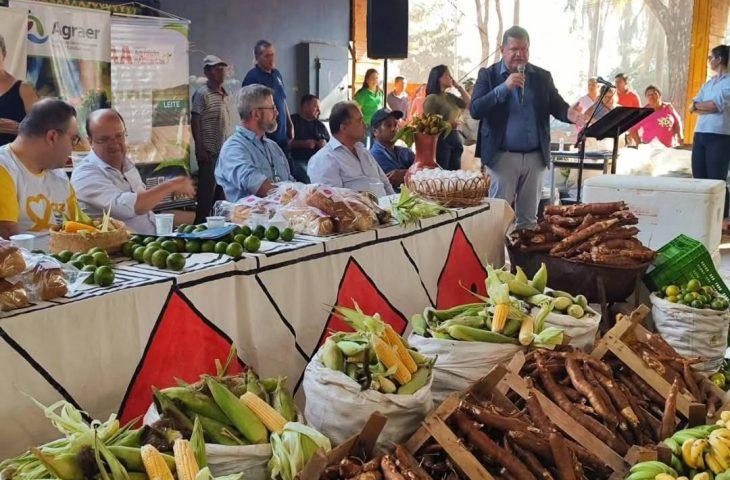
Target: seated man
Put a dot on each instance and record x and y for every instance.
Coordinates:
(34, 190)
(108, 178)
(249, 162)
(310, 135)
(345, 162)
(393, 160)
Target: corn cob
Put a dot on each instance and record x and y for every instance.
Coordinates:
(501, 310)
(389, 358)
(273, 421)
(526, 330)
(196, 402)
(185, 463)
(394, 340)
(283, 402)
(154, 464)
(238, 413)
(131, 458)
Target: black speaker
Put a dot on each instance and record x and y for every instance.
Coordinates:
(387, 28)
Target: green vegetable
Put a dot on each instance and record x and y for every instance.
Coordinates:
(419, 324)
(539, 280)
(576, 311)
(332, 357)
(418, 381)
(293, 448)
(237, 412)
(197, 443)
(470, 334)
(562, 303)
(410, 208)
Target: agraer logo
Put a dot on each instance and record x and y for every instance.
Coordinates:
(36, 32)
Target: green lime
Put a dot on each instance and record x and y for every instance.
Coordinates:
(137, 239)
(86, 259)
(64, 256)
(155, 244)
(192, 246)
(76, 255)
(101, 258)
(704, 298)
(170, 246)
(128, 249)
(239, 238)
(104, 276)
(709, 291)
(94, 250)
(228, 238)
(147, 255)
(159, 258)
(176, 261)
(697, 304)
(91, 269)
(694, 285)
(672, 299)
(688, 298)
(220, 247)
(200, 228)
(235, 250)
(181, 228)
(272, 234)
(236, 230)
(252, 244)
(287, 235)
(78, 264)
(717, 304)
(245, 230)
(138, 253)
(208, 246)
(672, 291)
(189, 229)
(180, 244)
(260, 232)
(161, 239)
(148, 240)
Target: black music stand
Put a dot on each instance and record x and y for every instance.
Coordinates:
(611, 125)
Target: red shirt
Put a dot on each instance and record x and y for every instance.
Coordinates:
(629, 99)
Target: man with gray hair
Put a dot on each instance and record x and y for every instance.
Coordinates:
(250, 163)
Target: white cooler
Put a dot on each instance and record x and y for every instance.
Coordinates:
(666, 206)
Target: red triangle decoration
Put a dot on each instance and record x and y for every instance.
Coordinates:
(357, 287)
(461, 270)
(181, 345)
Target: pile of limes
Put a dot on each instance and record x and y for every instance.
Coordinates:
(96, 261)
(241, 239)
(160, 252)
(695, 295)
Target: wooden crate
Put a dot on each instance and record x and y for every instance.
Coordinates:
(361, 445)
(494, 386)
(613, 341)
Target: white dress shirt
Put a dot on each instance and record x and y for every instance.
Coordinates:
(335, 165)
(98, 185)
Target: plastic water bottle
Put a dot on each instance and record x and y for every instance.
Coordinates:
(561, 144)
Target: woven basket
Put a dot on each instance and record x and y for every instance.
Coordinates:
(111, 241)
(452, 192)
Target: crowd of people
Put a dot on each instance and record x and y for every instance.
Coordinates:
(248, 141)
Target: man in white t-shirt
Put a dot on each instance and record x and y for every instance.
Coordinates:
(34, 190)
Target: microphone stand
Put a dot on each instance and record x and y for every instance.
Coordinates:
(581, 140)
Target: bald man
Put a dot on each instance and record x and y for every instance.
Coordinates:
(108, 177)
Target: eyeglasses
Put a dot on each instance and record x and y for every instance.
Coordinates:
(75, 139)
(118, 138)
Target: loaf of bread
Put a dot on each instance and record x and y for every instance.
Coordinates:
(308, 221)
(12, 296)
(11, 260)
(48, 281)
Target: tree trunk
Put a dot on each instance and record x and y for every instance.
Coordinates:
(500, 29)
(595, 26)
(516, 13)
(482, 8)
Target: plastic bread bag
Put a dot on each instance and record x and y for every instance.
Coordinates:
(247, 210)
(12, 296)
(45, 278)
(348, 209)
(307, 220)
(12, 262)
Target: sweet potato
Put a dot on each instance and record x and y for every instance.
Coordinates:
(584, 209)
(565, 462)
(584, 234)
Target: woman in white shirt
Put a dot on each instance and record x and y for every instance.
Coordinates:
(711, 143)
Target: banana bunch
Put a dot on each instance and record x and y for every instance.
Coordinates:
(718, 458)
(676, 441)
(651, 470)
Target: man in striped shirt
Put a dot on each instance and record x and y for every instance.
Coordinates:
(214, 118)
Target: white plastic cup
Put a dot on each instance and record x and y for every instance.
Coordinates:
(215, 222)
(163, 223)
(23, 240)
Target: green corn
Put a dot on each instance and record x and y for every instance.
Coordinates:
(452, 312)
(470, 334)
(131, 458)
(196, 402)
(419, 324)
(238, 413)
(475, 321)
(539, 299)
(132, 438)
(511, 327)
(440, 335)
(269, 384)
(539, 280)
(350, 349)
(197, 443)
(167, 407)
(418, 357)
(64, 466)
(283, 402)
(520, 275)
(521, 289)
(418, 381)
(253, 386)
(332, 357)
(387, 385)
(219, 433)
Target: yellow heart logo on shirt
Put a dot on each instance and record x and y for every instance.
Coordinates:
(38, 210)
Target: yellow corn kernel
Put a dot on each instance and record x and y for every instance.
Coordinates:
(394, 340)
(501, 310)
(272, 419)
(387, 355)
(154, 464)
(185, 463)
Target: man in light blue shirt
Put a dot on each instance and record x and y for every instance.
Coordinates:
(249, 162)
(344, 161)
(107, 178)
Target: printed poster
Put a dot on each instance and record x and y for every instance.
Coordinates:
(13, 29)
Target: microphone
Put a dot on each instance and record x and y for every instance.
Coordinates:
(605, 82)
(521, 91)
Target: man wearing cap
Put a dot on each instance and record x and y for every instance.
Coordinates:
(392, 159)
(214, 119)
